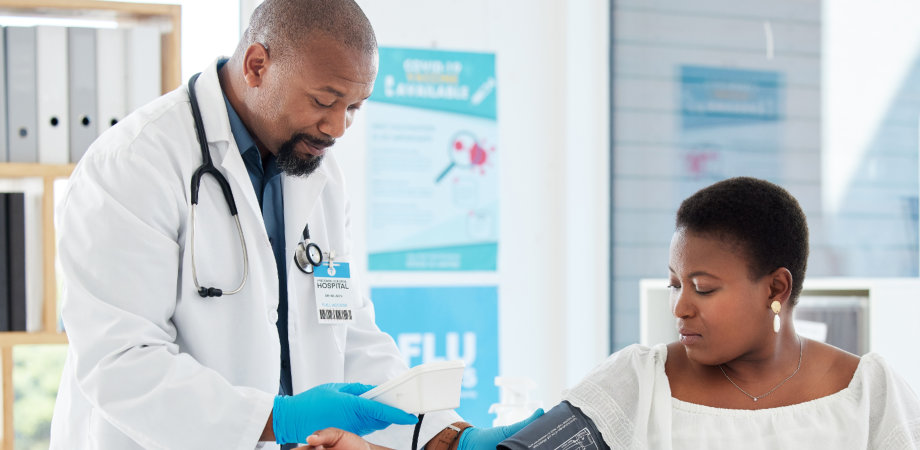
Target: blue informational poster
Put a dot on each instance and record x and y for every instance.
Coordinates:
(447, 323)
(731, 124)
(432, 173)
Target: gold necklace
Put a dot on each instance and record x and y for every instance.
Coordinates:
(801, 349)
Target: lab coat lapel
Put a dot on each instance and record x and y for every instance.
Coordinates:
(217, 127)
(300, 197)
(235, 169)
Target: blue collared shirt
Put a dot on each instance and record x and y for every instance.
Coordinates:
(266, 180)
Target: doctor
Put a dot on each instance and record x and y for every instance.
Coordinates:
(193, 328)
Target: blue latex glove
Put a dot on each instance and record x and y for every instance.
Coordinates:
(332, 405)
(479, 438)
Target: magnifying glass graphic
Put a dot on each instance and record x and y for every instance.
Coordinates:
(463, 152)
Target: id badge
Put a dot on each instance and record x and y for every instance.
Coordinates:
(336, 298)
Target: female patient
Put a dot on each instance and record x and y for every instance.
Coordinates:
(740, 376)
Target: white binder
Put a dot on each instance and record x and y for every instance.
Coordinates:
(142, 45)
(81, 53)
(53, 123)
(35, 282)
(110, 77)
(22, 114)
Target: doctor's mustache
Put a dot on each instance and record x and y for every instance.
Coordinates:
(312, 140)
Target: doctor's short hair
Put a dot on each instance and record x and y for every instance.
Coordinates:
(763, 219)
(282, 26)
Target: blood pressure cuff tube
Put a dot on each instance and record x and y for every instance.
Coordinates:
(564, 427)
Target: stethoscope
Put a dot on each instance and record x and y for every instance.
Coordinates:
(307, 255)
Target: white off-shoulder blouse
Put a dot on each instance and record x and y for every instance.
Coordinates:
(629, 399)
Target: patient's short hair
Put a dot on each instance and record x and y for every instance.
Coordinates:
(763, 219)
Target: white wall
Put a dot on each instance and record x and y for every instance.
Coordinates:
(553, 115)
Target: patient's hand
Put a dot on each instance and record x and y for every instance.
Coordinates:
(336, 439)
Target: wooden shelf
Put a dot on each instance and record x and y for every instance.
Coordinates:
(30, 170)
(13, 338)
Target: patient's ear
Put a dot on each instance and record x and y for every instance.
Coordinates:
(780, 285)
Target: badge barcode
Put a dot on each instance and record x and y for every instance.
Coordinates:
(335, 314)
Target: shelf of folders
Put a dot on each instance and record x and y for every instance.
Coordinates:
(63, 85)
(28, 286)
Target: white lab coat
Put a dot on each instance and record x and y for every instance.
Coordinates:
(151, 364)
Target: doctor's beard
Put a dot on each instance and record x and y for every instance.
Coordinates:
(296, 164)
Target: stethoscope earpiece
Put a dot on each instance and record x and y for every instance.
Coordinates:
(210, 292)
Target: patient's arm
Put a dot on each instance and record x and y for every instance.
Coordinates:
(336, 439)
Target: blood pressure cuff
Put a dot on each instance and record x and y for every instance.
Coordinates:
(564, 427)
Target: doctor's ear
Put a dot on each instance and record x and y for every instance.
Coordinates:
(255, 62)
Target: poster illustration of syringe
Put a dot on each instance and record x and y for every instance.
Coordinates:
(432, 173)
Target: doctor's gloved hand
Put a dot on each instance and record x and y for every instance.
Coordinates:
(476, 438)
(332, 405)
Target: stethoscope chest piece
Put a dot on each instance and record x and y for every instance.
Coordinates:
(307, 255)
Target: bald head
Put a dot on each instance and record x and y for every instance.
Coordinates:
(283, 26)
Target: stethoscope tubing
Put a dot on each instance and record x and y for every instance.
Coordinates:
(207, 167)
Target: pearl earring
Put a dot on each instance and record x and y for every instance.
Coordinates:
(776, 307)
